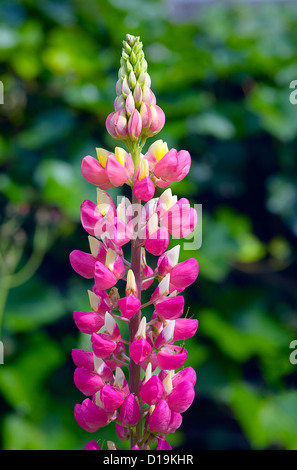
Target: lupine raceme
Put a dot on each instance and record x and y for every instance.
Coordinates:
(140, 382)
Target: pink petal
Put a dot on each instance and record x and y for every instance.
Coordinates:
(87, 382)
(102, 344)
(83, 359)
(104, 278)
(89, 416)
(170, 308)
(111, 398)
(88, 322)
(152, 390)
(129, 306)
(181, 397)
(83, 263)
(139, 350)
(184, 328)
(129, 412)
(144, 189)
(115, 171)
(93, 171)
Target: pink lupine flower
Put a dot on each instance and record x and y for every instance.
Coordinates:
(181, 397)
(90, 416)
(180, 220)
(102, 344)
(83, 359)
(163, 444)
(93, 171)
(166, 335)
(144, 189)
(174, 166)
(120, 123)
(129, 306)
(152, 390)
(87, 382)
(90, 216)
(92, 445)
(184, 328)
(122, 432)
(129, 412)
(175, 422)
(88, 322)
(139, 350)
(111, 398)
(135, 125)
(171, 357)
(157, 122)
(83, 263)
(146, 116)
(185, 273)
(98, 372)
(104, 277)
(115, 171)
(187, 374)
(110, 126)
(157, 242)
(160, 418)
(168, 260)
(170, 308)
(162, 290)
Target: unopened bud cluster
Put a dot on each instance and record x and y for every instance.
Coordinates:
(136, 114)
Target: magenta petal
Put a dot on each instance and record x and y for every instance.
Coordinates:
(87, 382)
(185, 273)
(88, 322)
(92, 445)
(152, 390)
(90, 216)
(175, 422)
(104, 278)
(111, 398)
(183, 166)
(144, 189)
(181, 397)
(83, 263)
(188, 374)
(166, 167)
(135, 125)
(93, 171)
(160, 418)
(170, 308)
(103, 345)
(115, 171)
(89, 416)
(157, 242)
(158, 120)
(139, 350)
(171, 357)
(184, 328)
(122, 432)
(129, 412)
(163, 444)
(83, 358)
(129, 306)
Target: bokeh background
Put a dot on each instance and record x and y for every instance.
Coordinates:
(221, 72)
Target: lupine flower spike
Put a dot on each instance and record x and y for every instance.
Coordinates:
(149, 405)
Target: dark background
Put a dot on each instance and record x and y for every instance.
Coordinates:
(221, 72)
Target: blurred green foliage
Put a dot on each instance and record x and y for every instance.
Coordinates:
(221, 73)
